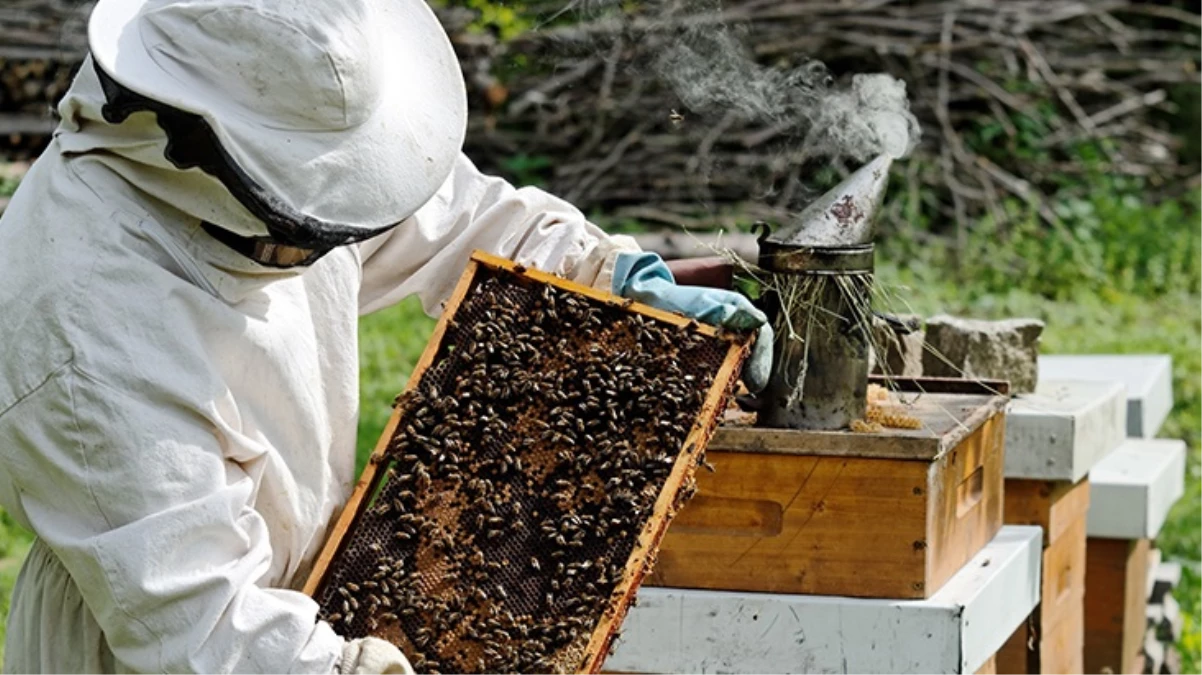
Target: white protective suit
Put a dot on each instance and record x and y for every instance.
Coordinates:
(177, 423)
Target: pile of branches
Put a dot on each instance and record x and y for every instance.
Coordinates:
(572, 104)
(42, 43)
(621, 142)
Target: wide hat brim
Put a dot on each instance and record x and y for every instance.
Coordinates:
(360, 179)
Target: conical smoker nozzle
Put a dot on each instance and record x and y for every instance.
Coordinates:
(843, 216)
(821, 382)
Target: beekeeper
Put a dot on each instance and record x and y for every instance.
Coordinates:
(233, 182)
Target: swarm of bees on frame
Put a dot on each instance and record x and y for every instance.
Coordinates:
(526, 463)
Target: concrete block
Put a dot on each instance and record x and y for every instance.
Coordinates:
(1063, 429)
(897, 351)
(972, 348)
(1133, 488)
(1147, 377)
(955, 631)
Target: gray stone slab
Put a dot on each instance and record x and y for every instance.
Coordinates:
(1147, 377)
(974, 348)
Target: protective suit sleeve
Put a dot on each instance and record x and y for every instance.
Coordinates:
(154, 523)
(426, 254)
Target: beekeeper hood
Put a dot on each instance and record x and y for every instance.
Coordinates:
(326, 122)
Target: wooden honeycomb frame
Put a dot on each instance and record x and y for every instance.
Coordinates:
(668, 501)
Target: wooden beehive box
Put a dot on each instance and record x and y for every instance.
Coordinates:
(517, 497)
(1116, 605)
(1131, 492)
(877, 515)
(1052, 641)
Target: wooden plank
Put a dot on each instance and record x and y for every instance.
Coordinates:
(25, 123)
(946, 420)
(964, 509)
(1053, 640)
(1052, 505)
(1135, 602)
(1154, 559)
(989, 667)
(1020, 654)
(1115, 605)
(905, 444)
(943, 385)
(1062, 645)
(1062, 602)
(495, 262)
(957, 630)
(366, 486)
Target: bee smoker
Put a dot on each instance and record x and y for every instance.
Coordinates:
(821, 264)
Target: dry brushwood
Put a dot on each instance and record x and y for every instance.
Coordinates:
(618, 140)
(42, 43)
(622, 142)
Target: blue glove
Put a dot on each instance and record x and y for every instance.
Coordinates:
(645, 278)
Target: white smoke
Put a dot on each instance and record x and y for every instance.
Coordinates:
(712, 72)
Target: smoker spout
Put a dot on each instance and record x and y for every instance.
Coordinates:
(821, 264)
(843, 216)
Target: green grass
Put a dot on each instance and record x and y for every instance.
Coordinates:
(14, 544)
(390, 342)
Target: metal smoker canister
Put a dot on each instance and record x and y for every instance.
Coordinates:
(820, 381)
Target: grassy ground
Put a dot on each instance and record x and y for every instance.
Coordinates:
(1088, 322)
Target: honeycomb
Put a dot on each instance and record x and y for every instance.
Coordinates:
(892, 416)
(883, 412)
(517, 497)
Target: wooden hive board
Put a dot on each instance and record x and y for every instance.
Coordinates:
(517, 497)
(1115, 604)
(890, 514)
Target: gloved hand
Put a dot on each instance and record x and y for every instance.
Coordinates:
(372, 655)
(645, 278)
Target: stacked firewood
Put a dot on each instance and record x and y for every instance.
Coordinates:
(1164, 621)
(574, 103)
(41, 45)
(622, 141)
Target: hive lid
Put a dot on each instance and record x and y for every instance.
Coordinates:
(949, 410)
